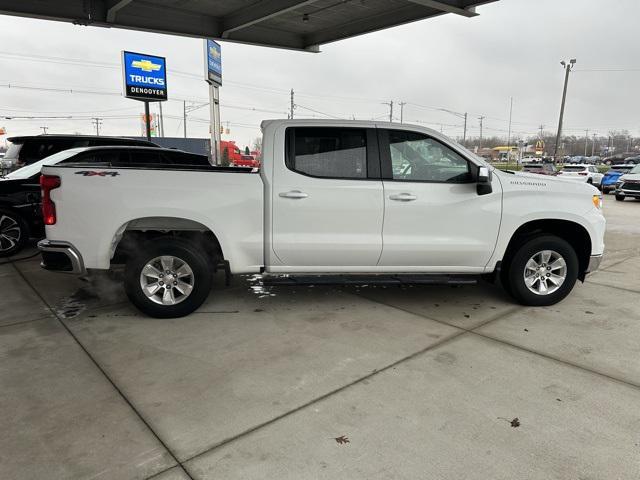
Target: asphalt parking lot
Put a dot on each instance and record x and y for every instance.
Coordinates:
(323, 382)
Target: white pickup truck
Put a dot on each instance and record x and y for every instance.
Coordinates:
(342, 199)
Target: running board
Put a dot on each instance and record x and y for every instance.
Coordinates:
(405, 279)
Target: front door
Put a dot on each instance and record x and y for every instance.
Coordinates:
(434, 218)
(327, 200)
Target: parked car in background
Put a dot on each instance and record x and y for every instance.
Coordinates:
(541, 168)
(612, 175)
(30, 149)
(20, 200)
(530, 160)
(628, 185)
(582, 173)
(635, 160)
(246, 161)
(594, 160)
(617, 159)
(579, 160)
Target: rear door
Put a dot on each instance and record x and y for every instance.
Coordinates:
(434, 220)
(327, 200)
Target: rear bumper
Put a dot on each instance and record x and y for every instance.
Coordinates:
(60, 256)
(594, 263)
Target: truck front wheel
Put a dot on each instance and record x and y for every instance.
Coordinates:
(168, 278)
(542, 271)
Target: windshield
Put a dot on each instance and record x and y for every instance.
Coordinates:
(620, 169)
(635, 169)
(573, 169)
(34, 169)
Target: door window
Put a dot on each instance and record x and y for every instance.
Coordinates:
(418, 158)
(328, 152)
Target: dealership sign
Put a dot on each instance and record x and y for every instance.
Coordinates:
(145, 77)
(213, 60)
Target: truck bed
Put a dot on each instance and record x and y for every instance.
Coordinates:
(94, 201)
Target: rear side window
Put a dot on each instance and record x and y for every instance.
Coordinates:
(328, 152)
(182, 158)
(109, 157)
(36, 149)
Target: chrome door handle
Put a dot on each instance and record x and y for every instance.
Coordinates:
(403, 197)
(294, 194)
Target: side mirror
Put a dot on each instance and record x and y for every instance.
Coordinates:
(484, 181)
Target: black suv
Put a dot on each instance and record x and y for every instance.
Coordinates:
(20, 215)
(29, 149)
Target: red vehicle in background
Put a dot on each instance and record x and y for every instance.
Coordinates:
(236, 157)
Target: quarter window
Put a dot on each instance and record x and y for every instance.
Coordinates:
(416, 157)
(328, 152)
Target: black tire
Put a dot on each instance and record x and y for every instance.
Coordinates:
(186, 252)
(620, 198)
(12, 225)
(516, 269)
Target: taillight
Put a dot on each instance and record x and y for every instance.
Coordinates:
(48, 183)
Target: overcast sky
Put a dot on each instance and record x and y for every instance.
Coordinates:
(512, 49)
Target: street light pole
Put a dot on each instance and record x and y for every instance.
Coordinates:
(567, 67)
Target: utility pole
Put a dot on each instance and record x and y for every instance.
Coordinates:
(509, 134)
(293, 105)
(390, 109)
(593, 145)
(541, 127)
(481, 118)
(97, 122)
(402, 104)
(586, 141)
(161, 120)
(184, 117)
(567, 67)
(464, 132)
(44, 129)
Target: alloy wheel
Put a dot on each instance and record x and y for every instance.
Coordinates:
(10, 233)
(545, 272)
(167, 280)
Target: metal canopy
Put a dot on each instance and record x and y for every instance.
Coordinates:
(294, 24)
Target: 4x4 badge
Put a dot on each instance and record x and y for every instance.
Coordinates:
(92, 173)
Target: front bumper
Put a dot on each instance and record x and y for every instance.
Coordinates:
(594, 263)
(628, 193)
(60, 256)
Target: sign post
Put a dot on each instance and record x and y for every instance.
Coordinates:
(144, 79)
(213, 76)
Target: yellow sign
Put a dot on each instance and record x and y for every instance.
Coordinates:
(145, 65)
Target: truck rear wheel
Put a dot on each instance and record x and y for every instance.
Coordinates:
(168, 278)
(542, 271)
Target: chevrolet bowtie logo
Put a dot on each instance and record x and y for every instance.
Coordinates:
(145, 65)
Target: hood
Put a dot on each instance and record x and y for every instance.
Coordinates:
(534, 181)
(630, 176)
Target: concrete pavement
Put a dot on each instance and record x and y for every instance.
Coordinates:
(324, 382)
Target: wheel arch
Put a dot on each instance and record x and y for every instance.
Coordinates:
(574, 233)
(131, 235)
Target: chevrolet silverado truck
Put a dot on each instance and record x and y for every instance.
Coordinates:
(338, 199)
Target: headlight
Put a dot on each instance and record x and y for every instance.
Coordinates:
(597, 201)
